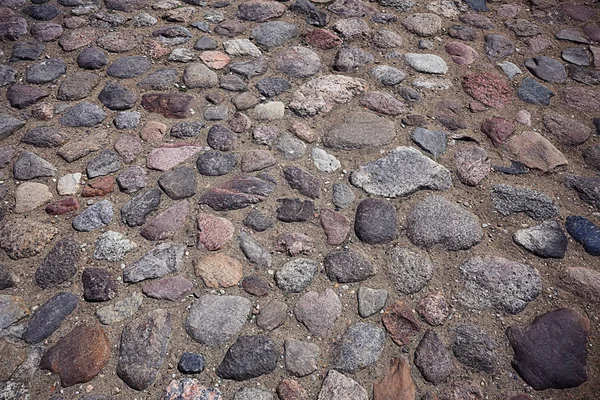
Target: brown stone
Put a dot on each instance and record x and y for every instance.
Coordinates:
(62, 206)
(169, 105)
(75, 39)
(396, 384)
(79, 356)
(497, 129)
(323, 39)
(289, 389)
(219, 270)
(11, 356)
(399, 321)
(153, 49)
(566, 130)
(99, 187)
(434, 309)
(336, 226)
(82, 146)
(535, 151)
(22, 238)
(584, 282)
(582, 99)
(303, 131)
(153, 131)
(256, 160)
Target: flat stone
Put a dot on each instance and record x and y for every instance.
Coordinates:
(169, 105)
(348, 266)
(121, 310)
(274, 33)
(250, 69)
(241, 47)
(400, 322)
(361, 346)
(255, 286)
(571, 35)
(78, 356)
(12, 309)
(12, 356)
(349, 59)
(46, 71)
(127, 120)
(168, 156)
(257, 221)
(179, 183)
(13, 28)
(387, 75)
(564, 330)
(437, 223)
(60, 264)
(474, 347)
(427, 63)
(296, 275)
(371, 301)
(314, 15)
(106, 162)
(238, 193)
(523, 28)
(135, 211)
(472, 164)
(98, 285)
(577, 56)
(499, 283)
(533, 92)
(488, 88)
(144, 344)
(23, 238)
(7, 75)
(461, 53)
(497, 129)
(26, 51)
(321, 94)
(402, 172)
(272, 315)
(214, 320)
(340, 387)
(348, 133)
(566, 130)
(164, 259)
(510, 69)
(509, 200)
(301, 358)
(30, 166)
(249, 357)
(318, 312)
(463, 32)
(295, 210)
(221, 138)
(252, 394)
(584, 231)
(21, 96)
(535, 151)
(546, 240)
(168, 223)
(322, 39)
(198, 75)
(298, 62)
(9, 125)
(433, 142)
(162, 79)
(254, 251)
(83, 114)
(547, 69)
(433, 359)
(112, 246)
(423, 24)
(31, 195)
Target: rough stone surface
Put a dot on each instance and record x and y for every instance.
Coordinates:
(546, 240)
(509, 200)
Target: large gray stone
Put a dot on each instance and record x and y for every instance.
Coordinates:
(358, 130)
(410, 270)
(361, 346)
(509, 200)
(164, 259)
(296, 275)
(402, 172)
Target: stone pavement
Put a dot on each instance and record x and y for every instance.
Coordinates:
(326, 199)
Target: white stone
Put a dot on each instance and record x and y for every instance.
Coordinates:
(69, 184)
(269, 111)
(325, 161)
(510, 69)
(241, 47)
(432, 84)
(428, 63)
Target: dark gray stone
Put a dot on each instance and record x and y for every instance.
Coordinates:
(8, 278)
(348, 266)
(361, 346)
(117, 97)
(7, 75)
(42, 12)
(254, 251)
(92, 58)
(60, 264)
(216, 163)
(132, 179)
(44, 136)
(143, 348)
(129, 67)
(30, 166)
(96, 216)
(221, 138)
(163, 79)
(179, 183)
(577, 56)
(433, 359)
(342, 196)
(214, 320)
(250, 69)
(136, 210)
(509, 200)
(78, 86)
(172, 35)
(314, 15)
(295, 210)
(127, 120)
(257, 221)
(547, 69)
(474, 348)
(49, 316)
(249, 357)
(532, 92)
(26, 51)
(83, 114)
(375, 221)
(349, 59)
(433, 142)
(302, 181)
(46, 71)
(546, 240)
(233, 83)
(272, 86)
(186, 129)
(191, 363)
(588, 188)
(205, 43)
(106, 162)
(98, 284)
(274, 33)
(296, 275)
(164, 259)
(497, 47)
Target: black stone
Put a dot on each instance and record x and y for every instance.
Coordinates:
(551, 353)
(272, 86)
(117, 97)
(532, 92)
(8, 278)
(516, 168)
(314, 16)
(49, 316)
(584, 231)
(238, 193)
(191, 363)
(375, 221)
(221, 138)
(98, 285)
(249, 357)
(216, 163)
(295, 210)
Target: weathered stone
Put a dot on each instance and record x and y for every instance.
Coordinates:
(164, 259)
(509, 200)
(339, 387)
(121, 310)
(60, 264)
(546, 240)
(98, 285)
(318, 312)
(433, 358)
(400, 322)
(249, 357)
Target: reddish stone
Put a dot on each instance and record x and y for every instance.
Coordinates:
(476, 106)
(169, 105)
(592, 32)
(79, 356)
(213, 232)
(461, 53)
(497, 129)
(240, 122)
(295, 243)
(303, 131)
(167, 223)
(170, 155)
(77, 38)
(62, 206)
(172, 288)
(336, 226)
(128, 147)
(289, 389)
(215, 59)
(400, 322)
(488, 88)
(21, 96)
(99, 187)
(434, 309)
(537, 44)
(323, 39)
(119, 42)
(582, 99)
(42, 111)
(153, 49)
(153, 131)
(254, 285)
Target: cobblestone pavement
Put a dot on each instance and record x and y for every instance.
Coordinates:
(332, 200)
